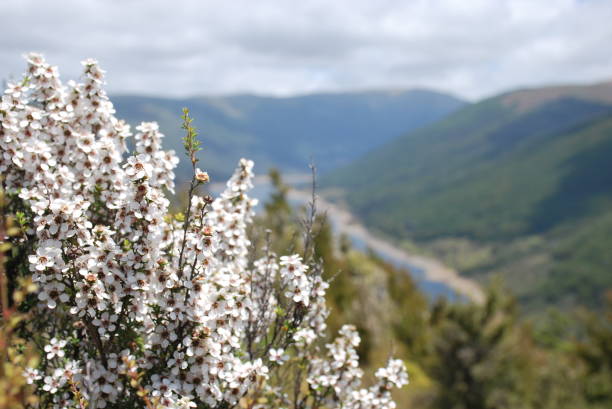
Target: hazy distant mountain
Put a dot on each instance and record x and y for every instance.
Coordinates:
(521, 182)
(332, 129)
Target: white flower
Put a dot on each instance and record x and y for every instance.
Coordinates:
(51, 292)
(45, 258)
(278, 355)
(55, 348)
(54, 382)
(395, 373)
(86, 142)
(31, 375)
(184, 403)
(138, 167)
(304, 337)
(106, 323)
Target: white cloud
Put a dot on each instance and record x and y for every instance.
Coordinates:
(188, 47)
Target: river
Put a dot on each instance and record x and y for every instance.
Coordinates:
(431, 276)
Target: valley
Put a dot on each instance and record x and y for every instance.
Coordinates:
(518, 186)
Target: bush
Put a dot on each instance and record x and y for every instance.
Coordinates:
(137, 307)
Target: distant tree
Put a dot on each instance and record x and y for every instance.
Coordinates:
(475, 360)
(277, 208)
(595, 351)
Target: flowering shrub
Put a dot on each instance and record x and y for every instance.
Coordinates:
(136, 307)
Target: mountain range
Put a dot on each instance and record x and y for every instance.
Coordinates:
(287, 133)
(519, 184)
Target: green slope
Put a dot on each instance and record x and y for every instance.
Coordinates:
(286, 133)
(524, 192)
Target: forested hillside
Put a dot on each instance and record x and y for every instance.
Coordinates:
(460, 355)
(286, 133)
(519, 184)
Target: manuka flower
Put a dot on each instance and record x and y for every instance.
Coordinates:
(135, 299)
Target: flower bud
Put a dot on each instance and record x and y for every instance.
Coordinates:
(201, 176)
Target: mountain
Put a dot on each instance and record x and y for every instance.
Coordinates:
(519, 184)
(286, 133)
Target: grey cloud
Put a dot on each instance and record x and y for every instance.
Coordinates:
(185, 47)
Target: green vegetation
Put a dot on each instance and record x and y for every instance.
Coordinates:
(596, 354)
(463, 356)
(475, 355)
(383, 302)
(497, 188)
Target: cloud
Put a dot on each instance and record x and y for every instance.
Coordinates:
(472, 48)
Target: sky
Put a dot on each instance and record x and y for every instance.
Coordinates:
(178, 48)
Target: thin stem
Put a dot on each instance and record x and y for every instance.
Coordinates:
(309, 220)
(3, 290)
(186, 225)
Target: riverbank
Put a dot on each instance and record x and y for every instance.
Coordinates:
(432, 269)
(434, 278)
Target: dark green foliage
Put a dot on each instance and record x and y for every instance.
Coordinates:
(475, 362)
(596, 353)
(409, 320)
(484, 356)
(582, 268)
